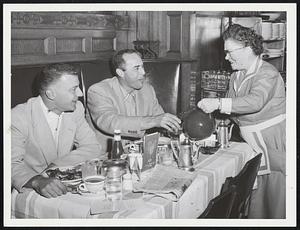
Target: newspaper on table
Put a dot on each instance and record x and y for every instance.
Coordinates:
(166, 181)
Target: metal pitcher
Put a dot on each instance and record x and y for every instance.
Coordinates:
(184, 156)
(224, 134)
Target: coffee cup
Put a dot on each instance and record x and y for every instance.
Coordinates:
(93, 184)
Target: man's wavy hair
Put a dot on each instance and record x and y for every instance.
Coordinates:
(245, 35)
(51, 73)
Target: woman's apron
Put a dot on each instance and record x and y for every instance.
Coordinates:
(252, 134)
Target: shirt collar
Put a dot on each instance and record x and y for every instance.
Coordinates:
(126, 94)
(45, 109)
(253, 66)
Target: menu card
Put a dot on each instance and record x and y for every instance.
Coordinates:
(150, 147)
(166, 181)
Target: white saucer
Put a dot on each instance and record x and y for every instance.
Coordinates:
(85, 192)
(71, 182)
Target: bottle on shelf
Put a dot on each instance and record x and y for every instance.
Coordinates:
(117, 148)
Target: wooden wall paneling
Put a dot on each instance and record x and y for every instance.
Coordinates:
(121, 40)
(121, 35)
(102, 44)
(69, 45)
(152, 31)
(209, 42)
(132, 33)
(163, 33)
(47, 37)
(56, 45)
(185, 38)
(143, 25)
(87, 44)
(193, 40)
(49, 46)
(175, 34)
(158, 30)
(64, 20)
(21, 46)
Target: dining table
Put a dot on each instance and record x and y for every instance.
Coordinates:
(210, 173)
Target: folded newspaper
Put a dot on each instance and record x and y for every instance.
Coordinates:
(166, 181)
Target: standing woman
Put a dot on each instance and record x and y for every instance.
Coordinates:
(256, 102)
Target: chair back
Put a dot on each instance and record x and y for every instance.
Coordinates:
(221, 206)
(244, 182)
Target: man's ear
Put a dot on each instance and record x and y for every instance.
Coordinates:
(50, 94)
(120, 72)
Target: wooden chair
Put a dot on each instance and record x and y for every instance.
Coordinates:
(243, 182)
(221, 206)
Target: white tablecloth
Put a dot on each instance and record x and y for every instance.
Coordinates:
(211, 174)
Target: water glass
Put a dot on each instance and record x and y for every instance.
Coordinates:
(113, 188)
(90, 168)
(165, 155)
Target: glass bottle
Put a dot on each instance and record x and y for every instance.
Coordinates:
(185, 156)
(117, 148)
(113, 187)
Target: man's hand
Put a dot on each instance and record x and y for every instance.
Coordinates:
(168, 121)
(208, 105)
(47, 187)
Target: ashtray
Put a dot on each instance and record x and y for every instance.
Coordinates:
(209, 149)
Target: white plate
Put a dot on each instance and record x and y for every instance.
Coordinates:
(72, 182)
(84, 192)
(65, 168)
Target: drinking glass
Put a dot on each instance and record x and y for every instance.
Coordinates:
(90, 168)
(113, 188)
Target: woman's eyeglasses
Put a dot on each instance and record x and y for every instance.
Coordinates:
(230, 51)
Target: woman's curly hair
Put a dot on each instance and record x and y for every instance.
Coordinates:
(245, 35)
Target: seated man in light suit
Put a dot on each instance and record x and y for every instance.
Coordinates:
(127, 101)
(50, 130)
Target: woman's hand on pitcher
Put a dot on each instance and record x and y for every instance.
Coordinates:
(208, 105)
